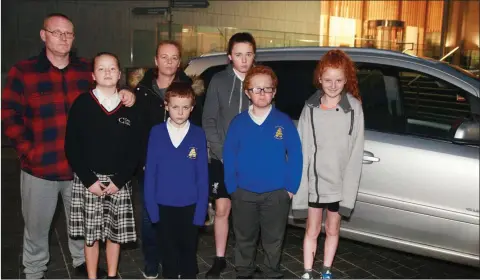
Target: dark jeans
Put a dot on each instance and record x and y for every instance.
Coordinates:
(150, 247)
(254, 214)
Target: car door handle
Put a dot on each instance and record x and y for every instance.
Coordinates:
(369, 158)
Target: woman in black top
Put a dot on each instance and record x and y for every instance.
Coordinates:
(100, 145)
(150, 92)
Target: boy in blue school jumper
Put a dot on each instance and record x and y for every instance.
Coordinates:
(263, 166)
(176, 183)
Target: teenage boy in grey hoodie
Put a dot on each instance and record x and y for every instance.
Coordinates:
(225, 99)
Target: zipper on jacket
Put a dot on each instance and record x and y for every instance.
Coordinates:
(156, 96)
(351, 122)
(314, 155)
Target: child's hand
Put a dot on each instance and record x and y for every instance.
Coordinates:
(290, 194)
(111, 189)
(96, 188)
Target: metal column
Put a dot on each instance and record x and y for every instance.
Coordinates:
(444, 32)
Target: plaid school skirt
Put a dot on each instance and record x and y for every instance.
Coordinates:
(101, 217)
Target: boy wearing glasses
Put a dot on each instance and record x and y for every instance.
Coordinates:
(263, 166)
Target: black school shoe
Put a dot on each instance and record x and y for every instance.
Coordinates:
(81, 270)
(219, 264)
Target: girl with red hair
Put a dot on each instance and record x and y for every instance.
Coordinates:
(331, 129)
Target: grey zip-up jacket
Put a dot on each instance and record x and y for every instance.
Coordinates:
(225, 99)
(332, 154)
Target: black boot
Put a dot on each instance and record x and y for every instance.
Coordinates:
(219, 264)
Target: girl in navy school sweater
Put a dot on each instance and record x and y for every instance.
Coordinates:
(176, 182)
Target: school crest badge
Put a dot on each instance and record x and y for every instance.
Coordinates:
(192, 154)
(279, 133)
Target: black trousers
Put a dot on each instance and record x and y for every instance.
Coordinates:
(178, 238)
(255, 213)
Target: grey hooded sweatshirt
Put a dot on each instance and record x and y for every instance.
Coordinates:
(225, 99)
(332, 154)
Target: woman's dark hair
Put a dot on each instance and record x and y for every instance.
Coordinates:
(241, 37)
(104, 53)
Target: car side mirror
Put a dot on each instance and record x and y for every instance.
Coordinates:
(468, 132)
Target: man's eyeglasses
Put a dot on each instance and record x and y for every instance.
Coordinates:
(56, 33)
(257, 90)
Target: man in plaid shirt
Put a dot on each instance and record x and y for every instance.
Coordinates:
(35, 102)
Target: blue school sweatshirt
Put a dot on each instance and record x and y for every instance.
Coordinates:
(262, 158)
(176, 176)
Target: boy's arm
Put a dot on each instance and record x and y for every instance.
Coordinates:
(13, 108)
(230, 150)
(202, 183)
(353, 170)
(211, 110)
(150, 177)
(294, 157)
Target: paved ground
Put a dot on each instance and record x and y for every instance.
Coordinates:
(354, 260)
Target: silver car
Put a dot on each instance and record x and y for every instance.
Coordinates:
(419, 189)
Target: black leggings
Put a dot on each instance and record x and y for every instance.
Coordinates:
(332, 206)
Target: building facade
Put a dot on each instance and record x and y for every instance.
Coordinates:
(423, 28)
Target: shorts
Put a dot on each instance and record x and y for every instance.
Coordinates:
(331, 206)
(217, 182)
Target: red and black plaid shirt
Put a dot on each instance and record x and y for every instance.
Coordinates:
(35, 104)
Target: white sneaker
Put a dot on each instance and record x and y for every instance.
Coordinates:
(307, 275)
(149, 276)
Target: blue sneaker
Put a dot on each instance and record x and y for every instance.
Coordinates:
(326, 275)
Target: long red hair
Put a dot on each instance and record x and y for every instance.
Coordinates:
(339, 60)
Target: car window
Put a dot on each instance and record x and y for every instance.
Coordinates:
(380, 99)
(295, 85)
(432, 106)
(208, 74)
(398, 100)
